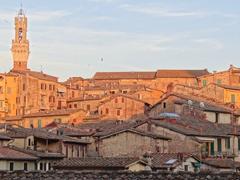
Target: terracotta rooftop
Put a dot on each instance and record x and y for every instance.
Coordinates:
(106, 134)
(72, 80)
(4, 136)
(193, 126)
(229, 87)
(162, 73)
(159, 159)
(7, 153)
(96, 163)
(38, 75)
(222, 163)
(62, 112)
(123, 75)
(25, 132)
(183, 99)
(111, 97)
(39, 154)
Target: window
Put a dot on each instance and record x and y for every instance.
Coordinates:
(35, 166)
(39, 123)
(29, 142)
(88, 107)
(233, 98)
(75, 105)
(66, 150)
(227, 143)
(204, 83)
(122, 99)
(49, 166)
(50, 87)
(42, 86)
(164, 105)
(1, 89)
(1, 104)
(116, 100)
(72, 150)
(41, 166)
(9, 90)
(118, 112)
(219, 81)
(70, 106)
(186, 168)
(196, 82)
(45, 166)
(24, 87)
(18, 100)
(219, 145)
(212, 148)
(238, 143)
(25, 167)
(217, 117)
(107, 111)
(73, 94)
(11, 166)
(78, 151)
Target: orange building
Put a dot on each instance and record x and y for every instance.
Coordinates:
(42, 119)
(229, 77)
(8, 94)
(122, 107)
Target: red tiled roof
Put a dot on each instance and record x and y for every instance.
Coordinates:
(38, 75)
(7, 153)
(180, 73)
(107, 134)
(98, 162)
(72, 80)
(123, 75)
(159, 159)
(222, 163)
(61, 112)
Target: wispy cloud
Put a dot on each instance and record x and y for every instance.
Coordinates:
(161, 12)
(210, 43)
(103, 1)
(157, 10)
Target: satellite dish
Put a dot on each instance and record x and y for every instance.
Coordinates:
(202, 105)
(190, 103)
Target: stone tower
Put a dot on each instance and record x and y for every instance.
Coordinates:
(20, 45)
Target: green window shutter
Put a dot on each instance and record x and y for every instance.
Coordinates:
(204, 83)
(39, 123)
(212, 148)
(227, 143)
(219, 81)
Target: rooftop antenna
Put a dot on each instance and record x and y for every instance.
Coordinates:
(21, 8)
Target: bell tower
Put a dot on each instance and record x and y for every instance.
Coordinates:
(20, 45)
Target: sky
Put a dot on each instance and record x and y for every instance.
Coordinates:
(80, 37)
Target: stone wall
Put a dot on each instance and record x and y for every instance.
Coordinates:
(68, 175)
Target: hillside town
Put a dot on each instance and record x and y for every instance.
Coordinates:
(168, 119)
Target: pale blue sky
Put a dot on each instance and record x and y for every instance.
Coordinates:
(69, 37)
